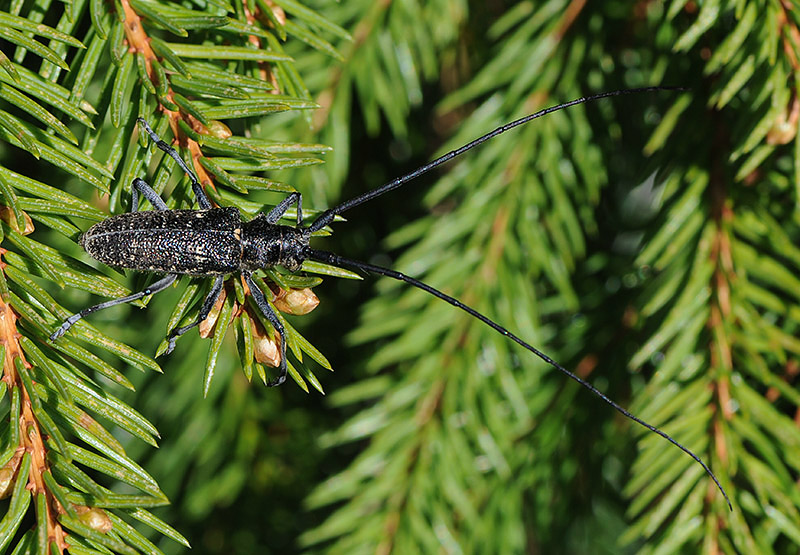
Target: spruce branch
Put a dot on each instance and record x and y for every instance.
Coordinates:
(226, 64)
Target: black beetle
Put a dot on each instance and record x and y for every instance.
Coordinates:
(205, 242)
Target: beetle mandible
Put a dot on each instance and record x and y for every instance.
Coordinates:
(216, 242)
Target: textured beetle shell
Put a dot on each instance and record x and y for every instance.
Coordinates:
(194, 242)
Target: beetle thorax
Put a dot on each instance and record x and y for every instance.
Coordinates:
(265, 245)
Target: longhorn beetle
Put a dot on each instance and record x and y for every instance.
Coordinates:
(216, 242)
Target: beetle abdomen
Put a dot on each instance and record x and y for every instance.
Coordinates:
(195, 242)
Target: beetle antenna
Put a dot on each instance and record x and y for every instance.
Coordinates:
(336, 260)
(327, 217)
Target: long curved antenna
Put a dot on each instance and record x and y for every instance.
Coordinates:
(336, 260)
(327, 217)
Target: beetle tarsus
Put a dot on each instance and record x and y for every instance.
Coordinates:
(280, 379)
(205, 309)
(65, 326)
(170, 343)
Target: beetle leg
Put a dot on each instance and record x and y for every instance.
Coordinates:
(141, 186)
(261, 301)
(202, 199)
(208, 304)
(275, 214)
(157, 287)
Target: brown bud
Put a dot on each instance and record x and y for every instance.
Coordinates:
(7, 215)
(94, 518)
(219, 130)
(277, 11)
(6, 482)
(784, 128)
(296, 301)
(207, 326)
(267, 349)
(8, 474)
